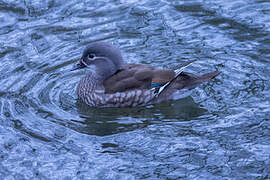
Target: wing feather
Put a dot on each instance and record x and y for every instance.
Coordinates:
(136, 76)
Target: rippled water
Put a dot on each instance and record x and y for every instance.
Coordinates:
(221, 131)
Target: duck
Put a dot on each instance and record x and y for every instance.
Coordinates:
(110, 82)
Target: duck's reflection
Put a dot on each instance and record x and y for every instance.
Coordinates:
(108, 121)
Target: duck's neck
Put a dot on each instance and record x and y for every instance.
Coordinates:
(94, 79)
(104, 73)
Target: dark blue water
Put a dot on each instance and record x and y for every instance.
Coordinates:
(220, 131)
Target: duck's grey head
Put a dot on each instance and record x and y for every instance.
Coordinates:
(105, 57)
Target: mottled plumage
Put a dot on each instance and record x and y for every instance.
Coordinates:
(113, 83)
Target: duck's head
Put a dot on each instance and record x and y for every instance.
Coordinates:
(104, 57)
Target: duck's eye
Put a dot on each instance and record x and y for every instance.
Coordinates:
(91, 56)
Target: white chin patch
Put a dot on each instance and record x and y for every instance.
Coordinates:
(91, 68)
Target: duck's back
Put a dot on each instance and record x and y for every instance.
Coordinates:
(136, 76)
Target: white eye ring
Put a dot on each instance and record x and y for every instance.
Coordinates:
(91, 56)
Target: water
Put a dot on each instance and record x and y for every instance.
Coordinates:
(220, 131)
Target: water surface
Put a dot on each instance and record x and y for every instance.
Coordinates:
(220, 131)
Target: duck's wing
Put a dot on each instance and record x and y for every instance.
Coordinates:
(137, 76)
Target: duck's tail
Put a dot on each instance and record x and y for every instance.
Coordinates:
(190, 81)
(184, 81)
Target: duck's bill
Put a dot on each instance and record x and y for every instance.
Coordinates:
(78, 65)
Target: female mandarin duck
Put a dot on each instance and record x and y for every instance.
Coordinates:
(116, 84)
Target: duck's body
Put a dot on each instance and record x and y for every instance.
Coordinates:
(116, 84)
